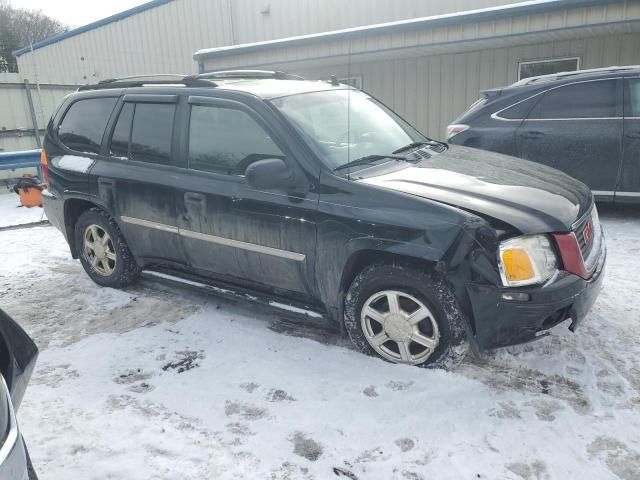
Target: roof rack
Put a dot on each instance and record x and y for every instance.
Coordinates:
(153, 79)
(223, 74)
(560, 75)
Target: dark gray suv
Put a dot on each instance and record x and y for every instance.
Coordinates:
(585, 123)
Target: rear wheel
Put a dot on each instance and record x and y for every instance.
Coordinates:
(405, 315)
(103, 251)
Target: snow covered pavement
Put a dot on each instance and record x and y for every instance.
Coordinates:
(12, 213)
(164, 383)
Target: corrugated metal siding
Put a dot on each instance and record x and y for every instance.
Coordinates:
(15, 114)
(430, 91)
(513, 30)
(163, 39)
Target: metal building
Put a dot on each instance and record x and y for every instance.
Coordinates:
(426, 59)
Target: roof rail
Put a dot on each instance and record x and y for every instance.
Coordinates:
(153, 79)
(222, 74)
(557, 76)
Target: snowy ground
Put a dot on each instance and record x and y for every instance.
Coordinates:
(12, 213)
(165, 383)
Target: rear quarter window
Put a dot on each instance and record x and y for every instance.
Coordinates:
(84, 123)
(595, 99)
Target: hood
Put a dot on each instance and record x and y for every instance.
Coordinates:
(529, 196)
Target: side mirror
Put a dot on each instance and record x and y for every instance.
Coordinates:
(269, 173)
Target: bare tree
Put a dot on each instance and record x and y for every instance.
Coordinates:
(20, 28)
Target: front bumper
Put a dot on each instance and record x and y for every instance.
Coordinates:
(499, 322)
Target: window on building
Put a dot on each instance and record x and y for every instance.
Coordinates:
(547, 67)
(595, 99)
(632, 109)
(83, 125)
(119, 145)
(353, 81)
(152, 131)
(226, 140)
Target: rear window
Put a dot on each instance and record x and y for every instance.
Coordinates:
(83, 125)
(595, 99)
(151, 133)
(520, 110)
(632, 108)
(119, 145)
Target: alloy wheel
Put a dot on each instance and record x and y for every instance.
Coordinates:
(99, 251)
(399, 327)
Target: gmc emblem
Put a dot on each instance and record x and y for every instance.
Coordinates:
(587, 233)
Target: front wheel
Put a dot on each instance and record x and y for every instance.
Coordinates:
(103, 251)
(405, 315)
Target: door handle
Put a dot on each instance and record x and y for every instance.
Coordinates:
(105, 182)
(194, 197)
(634, 135)
(532, 134)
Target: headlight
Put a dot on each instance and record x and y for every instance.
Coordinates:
(526, 260)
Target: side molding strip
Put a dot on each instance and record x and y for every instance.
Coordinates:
(252, 247)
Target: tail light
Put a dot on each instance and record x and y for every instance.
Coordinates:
(455, 129)
(44, 166)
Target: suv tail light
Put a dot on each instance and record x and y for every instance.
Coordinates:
(454, 129)
(44, 166)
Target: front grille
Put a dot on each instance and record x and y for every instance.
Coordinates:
(585, 247)
(589, 235)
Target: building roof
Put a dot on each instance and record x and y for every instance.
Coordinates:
(91, 26)
(477, 15)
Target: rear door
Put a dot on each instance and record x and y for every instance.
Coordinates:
(628, 190)
(137, 181)
(264, 238)
(577, 128)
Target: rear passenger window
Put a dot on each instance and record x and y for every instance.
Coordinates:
(152, 131)
(580, 100)
(226, 140)
(119, 145)
(83, 125)
(632, 107)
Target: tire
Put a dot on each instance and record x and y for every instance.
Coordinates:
(115, 266)
(427, 311)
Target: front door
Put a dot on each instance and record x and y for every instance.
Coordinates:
(229, 229)
(628, 190)
(577, 128)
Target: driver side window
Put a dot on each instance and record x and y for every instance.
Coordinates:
(226, 140)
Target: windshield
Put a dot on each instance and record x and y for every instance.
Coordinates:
(344, 125)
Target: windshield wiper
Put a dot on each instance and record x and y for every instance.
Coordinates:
(366, 160)
(416, 145)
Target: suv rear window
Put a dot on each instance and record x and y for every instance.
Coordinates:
(596, 99)
(143, 132)
(83, 125)
(152, 131)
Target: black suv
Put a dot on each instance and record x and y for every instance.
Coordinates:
(585, 123)
(313, 193)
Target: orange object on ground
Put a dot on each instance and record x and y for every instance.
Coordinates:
(31, 197)
(29, 189)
